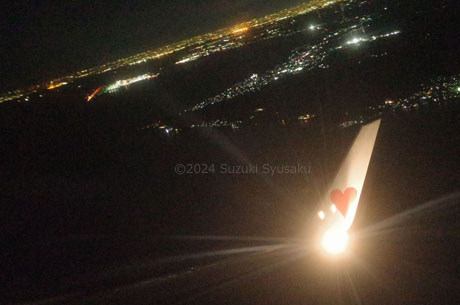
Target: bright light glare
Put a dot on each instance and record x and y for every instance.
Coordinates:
(240, 30)
(355, 40)
(333, 208)
(321, 215)
(335, 241)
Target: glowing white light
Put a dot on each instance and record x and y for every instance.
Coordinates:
(188, 59)
(312, 27)
(355, 40)
(127, 82)
(335, 241)
(321, 215)
(333, 208)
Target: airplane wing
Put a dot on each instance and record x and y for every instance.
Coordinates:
(341, 200)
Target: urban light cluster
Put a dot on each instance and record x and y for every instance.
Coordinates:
(120, 83)
(126, 82)
(303, 58)
(219, 123)
(169, 49)
(440, 90)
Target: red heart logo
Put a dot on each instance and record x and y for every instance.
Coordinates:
(342, 200)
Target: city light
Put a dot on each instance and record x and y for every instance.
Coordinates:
(118, 84)
(209, 43)
(54, 86)
(188, 59)
(304, 58)
(240, 30)
(94, 94)
(355, 40)
(126, 82)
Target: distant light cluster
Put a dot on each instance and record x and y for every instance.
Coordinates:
(218, 123)
(442, 89)
(305, 58)
(120, 83)
(170, 49)
(235, 40)
(126, 82)
(53, 85)
(358, 40)
(162, 128)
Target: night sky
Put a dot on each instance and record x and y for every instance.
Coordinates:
(44, 39)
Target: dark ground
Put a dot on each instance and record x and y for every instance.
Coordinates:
(83, 217)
